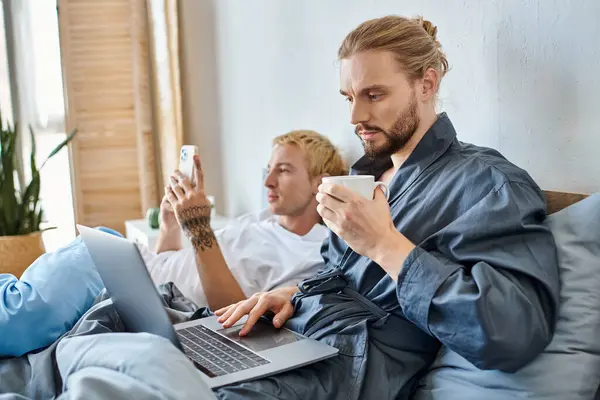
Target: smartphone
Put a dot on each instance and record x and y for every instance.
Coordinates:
(186, 161)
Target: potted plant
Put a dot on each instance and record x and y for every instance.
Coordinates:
(21, 213)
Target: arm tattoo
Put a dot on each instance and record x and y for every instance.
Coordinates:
(195, 222)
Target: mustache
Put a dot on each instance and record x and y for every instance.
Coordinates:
(365, 127)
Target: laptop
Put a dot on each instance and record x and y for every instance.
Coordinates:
(221, 355)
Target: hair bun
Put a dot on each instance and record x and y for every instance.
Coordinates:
(430, 28)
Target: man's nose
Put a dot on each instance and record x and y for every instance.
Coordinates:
(359, 113)
(270, 180)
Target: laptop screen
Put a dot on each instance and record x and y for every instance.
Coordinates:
(124, 274)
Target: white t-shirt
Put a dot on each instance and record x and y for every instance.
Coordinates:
(261, 254)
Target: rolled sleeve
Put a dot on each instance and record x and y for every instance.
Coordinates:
(420, 278)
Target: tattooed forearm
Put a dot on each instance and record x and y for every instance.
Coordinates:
(195, 222)
(204, 242)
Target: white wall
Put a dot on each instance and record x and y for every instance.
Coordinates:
(524, 79)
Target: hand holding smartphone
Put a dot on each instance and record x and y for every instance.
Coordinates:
(186, 161)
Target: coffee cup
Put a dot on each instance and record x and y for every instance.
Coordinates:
(363, 185)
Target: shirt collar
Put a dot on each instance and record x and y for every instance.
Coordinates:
(434, 143)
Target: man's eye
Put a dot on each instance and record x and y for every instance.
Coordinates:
(284, 170)
(349, 99)
(374, 97)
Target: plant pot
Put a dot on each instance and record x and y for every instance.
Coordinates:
(19, 252)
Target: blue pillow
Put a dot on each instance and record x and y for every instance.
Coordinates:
(51, 296)
(569, 367)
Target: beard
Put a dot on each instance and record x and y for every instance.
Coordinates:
(397, 137)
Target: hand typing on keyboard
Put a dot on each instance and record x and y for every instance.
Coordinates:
(278, 301)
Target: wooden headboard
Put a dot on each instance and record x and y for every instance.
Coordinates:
(558, 200)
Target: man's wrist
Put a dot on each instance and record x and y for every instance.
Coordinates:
(168, 239)
(204, 241)
(392, 252)
(168, 229)
(293, 290)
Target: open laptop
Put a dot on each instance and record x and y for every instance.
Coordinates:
(220, 354)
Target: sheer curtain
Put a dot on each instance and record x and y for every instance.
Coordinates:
(163, 24)
(47, 104)
(40, 104)
(5, 98)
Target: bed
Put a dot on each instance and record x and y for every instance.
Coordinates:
(569, 369)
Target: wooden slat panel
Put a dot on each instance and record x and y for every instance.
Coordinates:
(147, 165)
(97, 182)
(164, 41)
(106, 104)
(97, 117)
(101, 140)
(105, 66)
(121, 158)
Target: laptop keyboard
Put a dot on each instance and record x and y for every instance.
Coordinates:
(216, 355)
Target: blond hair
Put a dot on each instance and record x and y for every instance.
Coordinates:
(321, 155)
(413, 41)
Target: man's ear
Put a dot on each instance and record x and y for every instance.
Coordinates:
(429, 85)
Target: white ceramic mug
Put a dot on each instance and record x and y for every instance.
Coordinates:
(363, 185)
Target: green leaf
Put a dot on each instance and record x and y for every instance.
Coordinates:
(29, 200)
(33, 152)
(31, 194)
(27, 222)
(3, 225)
(60, 146)
(38, 219)
(9, 203)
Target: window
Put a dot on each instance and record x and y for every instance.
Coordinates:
(37, 64)
(5, 99)
(47, 105)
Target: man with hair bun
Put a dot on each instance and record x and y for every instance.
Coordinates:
(457, 257)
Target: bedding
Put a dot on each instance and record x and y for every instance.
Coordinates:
(90, 362)
(52, 294)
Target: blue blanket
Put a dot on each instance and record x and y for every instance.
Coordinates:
(90, 362)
